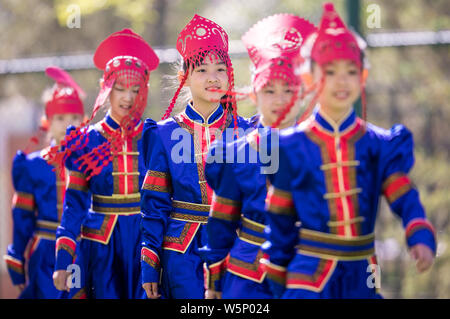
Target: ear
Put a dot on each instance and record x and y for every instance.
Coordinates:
(364, 76)
(252, 97)
(307, 80)
(180, 76)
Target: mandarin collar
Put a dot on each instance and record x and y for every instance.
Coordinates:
(194, 115)
(330, 125)
(114, 124)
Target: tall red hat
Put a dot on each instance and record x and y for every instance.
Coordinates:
(273, 45)
(66, 94)
(201, 35)
(334, 40)
(199, 38)
(124, 53)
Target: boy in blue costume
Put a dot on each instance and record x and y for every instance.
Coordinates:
(39, 196)
(333, 169)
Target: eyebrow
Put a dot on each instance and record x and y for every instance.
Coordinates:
(221, 63)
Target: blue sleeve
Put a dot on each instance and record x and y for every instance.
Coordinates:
(224, 213)
(23, 216)
(77, 201)
(156, 201)
(401, 194)
(281, 231)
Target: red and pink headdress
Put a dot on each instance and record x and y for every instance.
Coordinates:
(66, 94)
(334, 41)
(199, 39)
(273, 45)
(125, 55)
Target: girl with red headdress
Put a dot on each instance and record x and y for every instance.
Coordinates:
(106, 173)
(176, 197)
(39, 194)
(333, 168)
(237, 217)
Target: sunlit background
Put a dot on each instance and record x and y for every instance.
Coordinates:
(408, 83)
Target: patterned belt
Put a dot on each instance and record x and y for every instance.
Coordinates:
(46, 229)
(190, 212)
(336, 247)
(252, 232)
(128, 204)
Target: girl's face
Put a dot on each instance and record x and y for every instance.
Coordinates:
(58, 124)
(210, 75)
(342, 84)
(122, 98)
(272, 99)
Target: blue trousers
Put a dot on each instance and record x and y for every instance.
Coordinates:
(112, 271)
(40, 271)
(182, 274)
(236, 287)
(349, 280)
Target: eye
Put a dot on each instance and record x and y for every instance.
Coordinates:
(329, 72)
(200, 70)
(222, 70)
(118, 88)
(269, 91)
(353, 72)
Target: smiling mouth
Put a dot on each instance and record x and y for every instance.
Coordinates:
(341, 95)
(212, 88)
(125, 107)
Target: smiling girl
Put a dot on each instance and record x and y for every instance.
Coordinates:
(106, 173)
(176, 197)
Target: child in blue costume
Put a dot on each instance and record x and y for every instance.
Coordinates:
(39, 195)
(106, 173)
(237, 216)
(333, 169)
(175, 196)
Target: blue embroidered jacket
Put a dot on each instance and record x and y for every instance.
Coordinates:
(37, 208)
(175, 196)
(237, 216)
(93, 206)
(330, 180)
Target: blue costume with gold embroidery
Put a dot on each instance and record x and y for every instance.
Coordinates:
(176, 198)
(106, 210)
(37, 209)
(236, 223)
(330, 179)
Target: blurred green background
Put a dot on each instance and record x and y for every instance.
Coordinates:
(407, 84)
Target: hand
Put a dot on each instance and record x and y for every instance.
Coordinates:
(21, 287)
(151, 289)
(212, 294)
(423, 255)
(60, 278)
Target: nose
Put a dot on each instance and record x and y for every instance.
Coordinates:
(128, 96)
